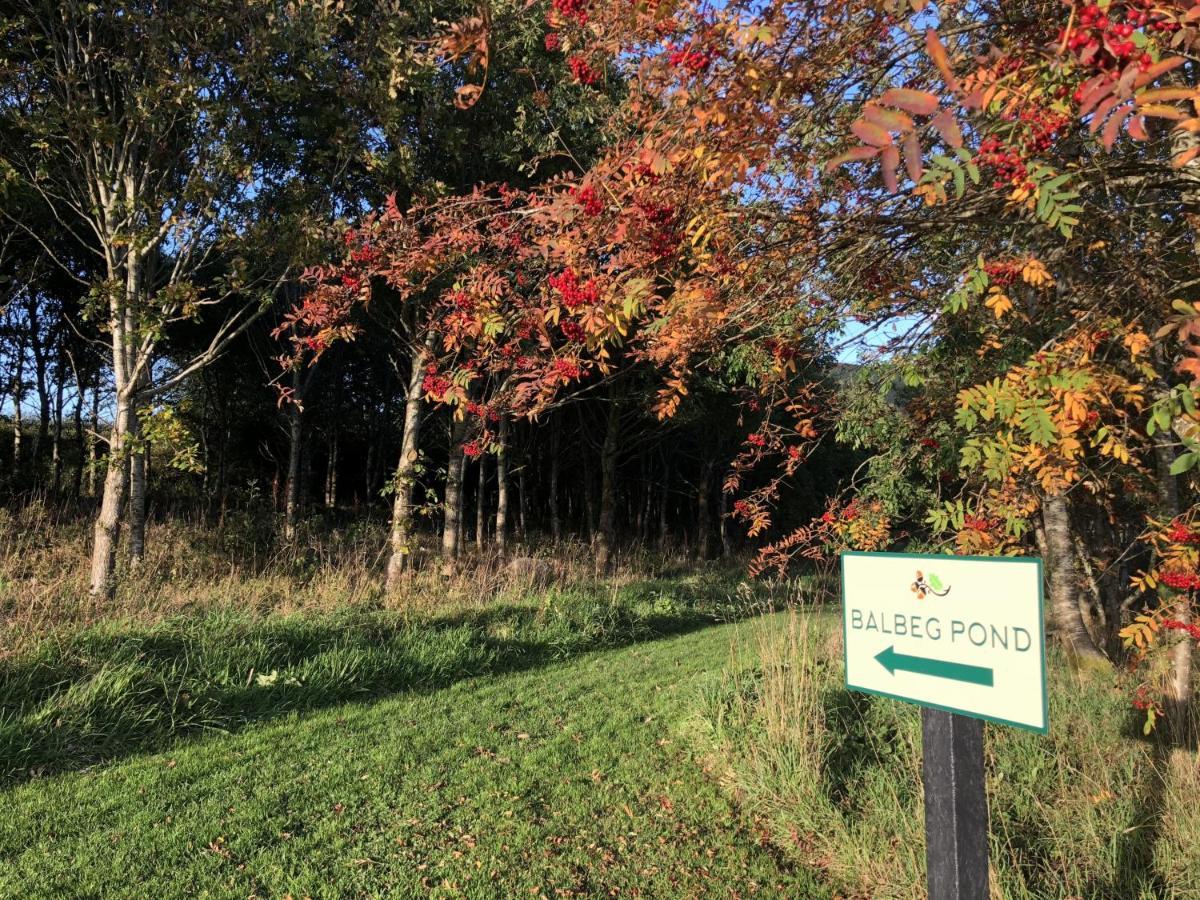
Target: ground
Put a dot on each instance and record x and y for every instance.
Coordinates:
(569, 778)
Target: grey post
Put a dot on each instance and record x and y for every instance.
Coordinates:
(956, 813)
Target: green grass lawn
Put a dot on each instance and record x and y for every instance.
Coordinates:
(568, 778)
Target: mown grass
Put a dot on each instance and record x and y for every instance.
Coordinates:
(567, 779)
(120, 687)
(1091, 810)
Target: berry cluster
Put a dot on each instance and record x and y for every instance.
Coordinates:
(472, 449)
(567, 368)
(1002, 274)
(929, 443)
(794, 452)
(742, 508)
(462, 301)
(582, 71)
(1181, 581)
(571, 330)
(553, 41)
(756, 440)
(979, 523)
(664, 237)
(1042, 129)
(434, 385)
(690, 57)
(351, 282)
(1193, 631)
(1102, 39)
(1010, 167)
(588, 199)
(1143, 700)
(1182, 534)
(571, 9)
(573, 293)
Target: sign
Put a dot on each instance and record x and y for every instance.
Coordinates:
(963, 634)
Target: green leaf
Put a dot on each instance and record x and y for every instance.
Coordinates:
(1182, 463)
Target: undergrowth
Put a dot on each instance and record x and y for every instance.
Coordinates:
(1090, 810)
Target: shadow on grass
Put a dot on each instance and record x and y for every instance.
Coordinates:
(120, 689)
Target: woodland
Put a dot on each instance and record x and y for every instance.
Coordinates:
(355, 354)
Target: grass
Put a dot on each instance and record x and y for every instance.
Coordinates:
(269, 723)
(120, 687)
(1092, 810)
(569, 779)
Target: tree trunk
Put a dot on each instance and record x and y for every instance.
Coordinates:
(606, 534)
(108, 522)
(331, 473)
(481, 504)
(1064, 583)
(400, 541)
(663, 532)
(291, 503)
(137, 489)
(703, 514)
(93, 456)
(522, 505)
(555, 470)
(18, 393)
(56, 441)
(1179, 701)
(80, 442)
(502, 486)
(452, 503)
(723, 524)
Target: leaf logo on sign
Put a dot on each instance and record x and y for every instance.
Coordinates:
(929, 584)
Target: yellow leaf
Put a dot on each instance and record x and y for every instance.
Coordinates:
(998, 303)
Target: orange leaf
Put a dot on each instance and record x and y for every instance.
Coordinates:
(889, 119)
(912, 156)
(890, 160)
(947, 127)
(919, 103)
(1184, 158)
(941, 59)
(856, 154)
(1162, 111)
(1113, 127)
(1190, 366)
(1137, 129)
(1165, 95)
(870, 134)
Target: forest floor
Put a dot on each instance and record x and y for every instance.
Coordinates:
(570, 778)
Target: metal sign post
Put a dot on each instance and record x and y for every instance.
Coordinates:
(956, 814)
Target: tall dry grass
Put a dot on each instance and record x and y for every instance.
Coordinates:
(1091, 810)
(193, 567)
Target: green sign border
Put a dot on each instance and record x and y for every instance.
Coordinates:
(934, 557)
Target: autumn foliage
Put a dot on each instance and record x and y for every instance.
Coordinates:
(1009, 205)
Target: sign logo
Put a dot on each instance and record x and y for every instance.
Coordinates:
(981, 654)
(932, 585)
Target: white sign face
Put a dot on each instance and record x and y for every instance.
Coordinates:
(959, 633)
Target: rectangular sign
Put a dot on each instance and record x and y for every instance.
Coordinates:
(963, 634)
